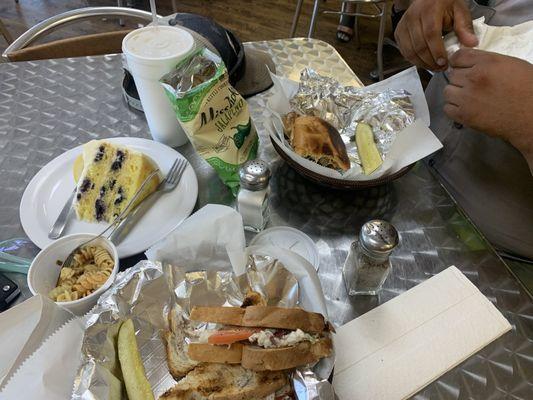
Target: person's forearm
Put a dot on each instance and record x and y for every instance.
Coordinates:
(527, 151)
(522, 139)
(529, 159)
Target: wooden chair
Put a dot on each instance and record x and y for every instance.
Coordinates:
(87, 45)
(5, 33)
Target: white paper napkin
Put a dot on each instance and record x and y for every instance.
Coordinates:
(411, 144)
(515, 41)
(24, 328)
(40, 350)
(214, 236)
(49, 373)
(393, 351)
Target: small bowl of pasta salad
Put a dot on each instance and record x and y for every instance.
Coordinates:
(78, 287)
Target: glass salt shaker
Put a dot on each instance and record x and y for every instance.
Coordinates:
(367, 265)
(252, 200)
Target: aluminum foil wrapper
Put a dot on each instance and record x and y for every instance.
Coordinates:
(387, 112)
(308, 386)
(196, 70)
(147, 292)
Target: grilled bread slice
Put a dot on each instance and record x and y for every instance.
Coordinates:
(204, 352)
(260, 359)
(317, 140)
(179, 363)
(263, 316)
(219, 315)
(253, 299)
(286, 338)
(282, 358)
(225, 382)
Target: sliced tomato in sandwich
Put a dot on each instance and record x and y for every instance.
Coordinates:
(230, 336)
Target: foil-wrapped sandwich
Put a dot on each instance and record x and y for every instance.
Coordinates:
(247, 355)
(165, 333)
(341, 127)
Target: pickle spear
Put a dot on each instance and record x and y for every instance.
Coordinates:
(137, 385)
(366, 147)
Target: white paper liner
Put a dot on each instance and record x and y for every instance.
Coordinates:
(49, 372)
(413, 143)
(24, 329)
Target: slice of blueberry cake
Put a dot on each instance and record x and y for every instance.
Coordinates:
(111, 175)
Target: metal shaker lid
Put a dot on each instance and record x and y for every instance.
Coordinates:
(378, 238)
(254, 175)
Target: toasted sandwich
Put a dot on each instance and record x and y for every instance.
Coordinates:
(317, 140)
(225, 382)
(261, 338)
(221, 373)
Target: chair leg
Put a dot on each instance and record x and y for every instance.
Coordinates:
(356, 27)
(174, 6)
(313, 19)
(381, 37)
(120, 20)
(295, 18)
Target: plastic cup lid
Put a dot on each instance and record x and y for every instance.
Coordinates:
(153, 44)
(290, 239)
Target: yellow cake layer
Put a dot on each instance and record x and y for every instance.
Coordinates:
(110, 177)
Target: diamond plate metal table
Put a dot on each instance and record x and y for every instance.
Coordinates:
(47, 107)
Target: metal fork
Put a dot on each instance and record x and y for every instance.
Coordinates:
(171, 181)
(173, 176)
(116, 222)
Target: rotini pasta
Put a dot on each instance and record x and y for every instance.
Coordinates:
(91, 268)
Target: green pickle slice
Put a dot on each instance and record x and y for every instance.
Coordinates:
(137, 385)
(366, 147)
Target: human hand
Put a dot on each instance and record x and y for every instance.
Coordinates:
(419, 33)
(492, 93)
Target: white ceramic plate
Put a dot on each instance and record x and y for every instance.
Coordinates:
(49, 189)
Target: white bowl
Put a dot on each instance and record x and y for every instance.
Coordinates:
(44, 271)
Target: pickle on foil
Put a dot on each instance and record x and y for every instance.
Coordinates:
(366, 147)
(137, 386)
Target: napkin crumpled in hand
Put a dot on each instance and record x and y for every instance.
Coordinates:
(515, 41)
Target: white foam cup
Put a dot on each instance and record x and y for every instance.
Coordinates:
(151, 52)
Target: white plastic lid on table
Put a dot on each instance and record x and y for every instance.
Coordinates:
(157, 43)
(290, 239)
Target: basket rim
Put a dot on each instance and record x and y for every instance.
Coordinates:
(339, 183)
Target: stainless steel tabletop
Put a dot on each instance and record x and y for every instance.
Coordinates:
(48, 107)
